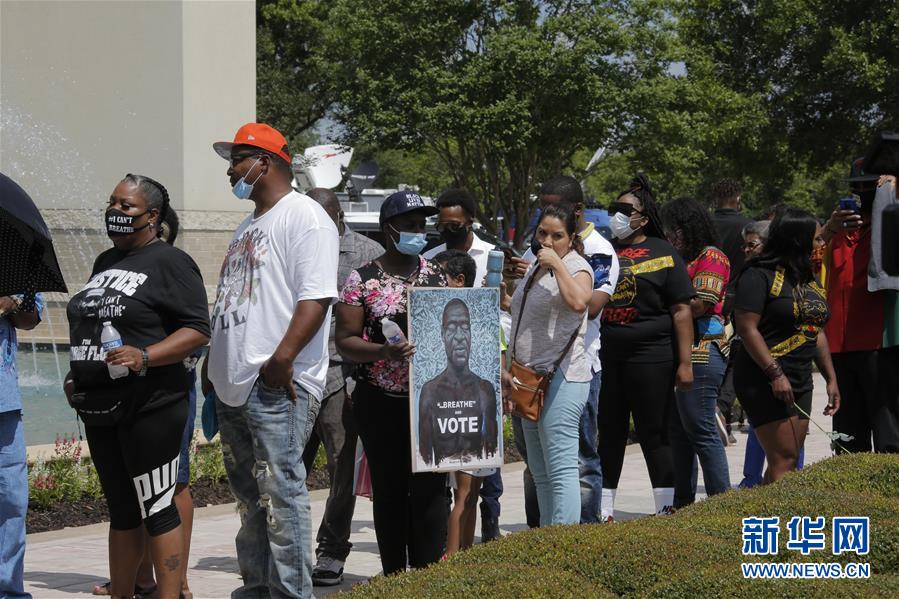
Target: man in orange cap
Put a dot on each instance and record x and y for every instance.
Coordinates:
(268, 359)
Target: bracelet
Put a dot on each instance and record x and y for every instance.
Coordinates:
(146, 362)
(773, 371)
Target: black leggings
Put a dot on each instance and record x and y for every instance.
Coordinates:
(409, 509)
(647, 392)
(137, 461)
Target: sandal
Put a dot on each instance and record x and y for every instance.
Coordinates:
(139, 591)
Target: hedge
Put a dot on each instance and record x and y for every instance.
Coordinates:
(694, 553)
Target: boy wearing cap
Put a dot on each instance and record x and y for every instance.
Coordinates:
(268, 359)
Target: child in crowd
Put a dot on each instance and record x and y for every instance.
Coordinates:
(460, 271)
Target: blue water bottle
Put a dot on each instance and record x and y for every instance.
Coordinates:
(494, 268)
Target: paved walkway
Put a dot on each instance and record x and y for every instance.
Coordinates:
(70, 562)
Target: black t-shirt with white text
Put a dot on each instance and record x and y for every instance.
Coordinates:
(147, 294)
(789, 324)
(637, 324)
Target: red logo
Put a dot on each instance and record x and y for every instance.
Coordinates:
(619, 315)
(633, 253)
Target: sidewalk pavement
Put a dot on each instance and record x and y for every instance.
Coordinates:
(68, 563)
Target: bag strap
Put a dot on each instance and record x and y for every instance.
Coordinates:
(524, 297)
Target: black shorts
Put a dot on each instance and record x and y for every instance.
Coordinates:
(137, 461)
(762, 407)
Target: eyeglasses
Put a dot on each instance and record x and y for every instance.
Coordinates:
(751, 245)
(450, 227)
(625, 209)
(238, 157)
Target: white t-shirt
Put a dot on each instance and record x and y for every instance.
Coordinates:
(604, 262)
(287, 255)
(479, 251)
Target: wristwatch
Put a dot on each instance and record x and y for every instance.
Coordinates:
(18, 303)
(146, 362)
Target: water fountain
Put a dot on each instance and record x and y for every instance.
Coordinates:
(148, 91)
(43, 353)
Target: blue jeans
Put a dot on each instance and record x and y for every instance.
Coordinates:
(491, 491)
(754, 461)
(13, 504)
(693, 432)
(262, 444)
(589, 467)
(552, 445)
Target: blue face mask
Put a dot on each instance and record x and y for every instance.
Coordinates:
(242, 189)
(410, 243)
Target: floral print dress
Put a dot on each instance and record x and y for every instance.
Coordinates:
(383, 295)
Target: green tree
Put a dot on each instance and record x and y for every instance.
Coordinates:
(503, 92)
(291, 94)
(822, 75)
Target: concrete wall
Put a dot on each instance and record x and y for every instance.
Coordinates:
(91, 90)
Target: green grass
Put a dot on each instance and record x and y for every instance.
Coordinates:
(694, 553)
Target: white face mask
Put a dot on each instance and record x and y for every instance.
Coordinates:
(620, 224)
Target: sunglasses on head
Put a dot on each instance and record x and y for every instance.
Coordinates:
(625, 209)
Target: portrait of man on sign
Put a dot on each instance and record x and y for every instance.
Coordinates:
(456, 419)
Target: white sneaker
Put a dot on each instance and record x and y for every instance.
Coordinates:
(328, 572)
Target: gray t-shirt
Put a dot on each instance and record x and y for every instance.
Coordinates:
(547, 324)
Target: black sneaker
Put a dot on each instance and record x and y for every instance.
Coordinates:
(489, 530)
(328, 572)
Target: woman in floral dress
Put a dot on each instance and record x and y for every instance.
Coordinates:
(409, 509)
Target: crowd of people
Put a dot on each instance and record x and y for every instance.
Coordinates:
(682, 314)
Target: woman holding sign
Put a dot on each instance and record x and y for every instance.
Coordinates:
(549, 319)
(409, 509)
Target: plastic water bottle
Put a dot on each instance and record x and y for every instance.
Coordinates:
(110, 339)
(392, 332)
(494, 268)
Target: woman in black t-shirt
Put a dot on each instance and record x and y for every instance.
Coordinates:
(647, 334)
(780, 312)
(152, 294)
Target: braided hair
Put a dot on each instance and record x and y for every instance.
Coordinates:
(641, 189)
(156, 196)
(692, 220)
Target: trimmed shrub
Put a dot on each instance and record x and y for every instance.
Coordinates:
(697, 552)
(484, 581)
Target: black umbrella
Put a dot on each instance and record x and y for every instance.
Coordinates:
(27, 259)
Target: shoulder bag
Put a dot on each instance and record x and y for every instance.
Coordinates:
(527, 398)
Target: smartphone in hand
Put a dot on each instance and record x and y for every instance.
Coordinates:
(851, 203)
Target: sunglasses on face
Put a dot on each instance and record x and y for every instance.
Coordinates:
(625, 209)
(450, 227)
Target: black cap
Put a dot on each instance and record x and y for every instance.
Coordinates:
(857, 173)
(402, 202)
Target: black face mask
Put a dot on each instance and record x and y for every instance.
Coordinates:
(454, 237)
(118, 223)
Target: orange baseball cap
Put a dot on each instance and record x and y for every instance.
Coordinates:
(259, 135)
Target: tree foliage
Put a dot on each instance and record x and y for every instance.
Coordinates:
(496, 95)
(504, 92)
(291, 94)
